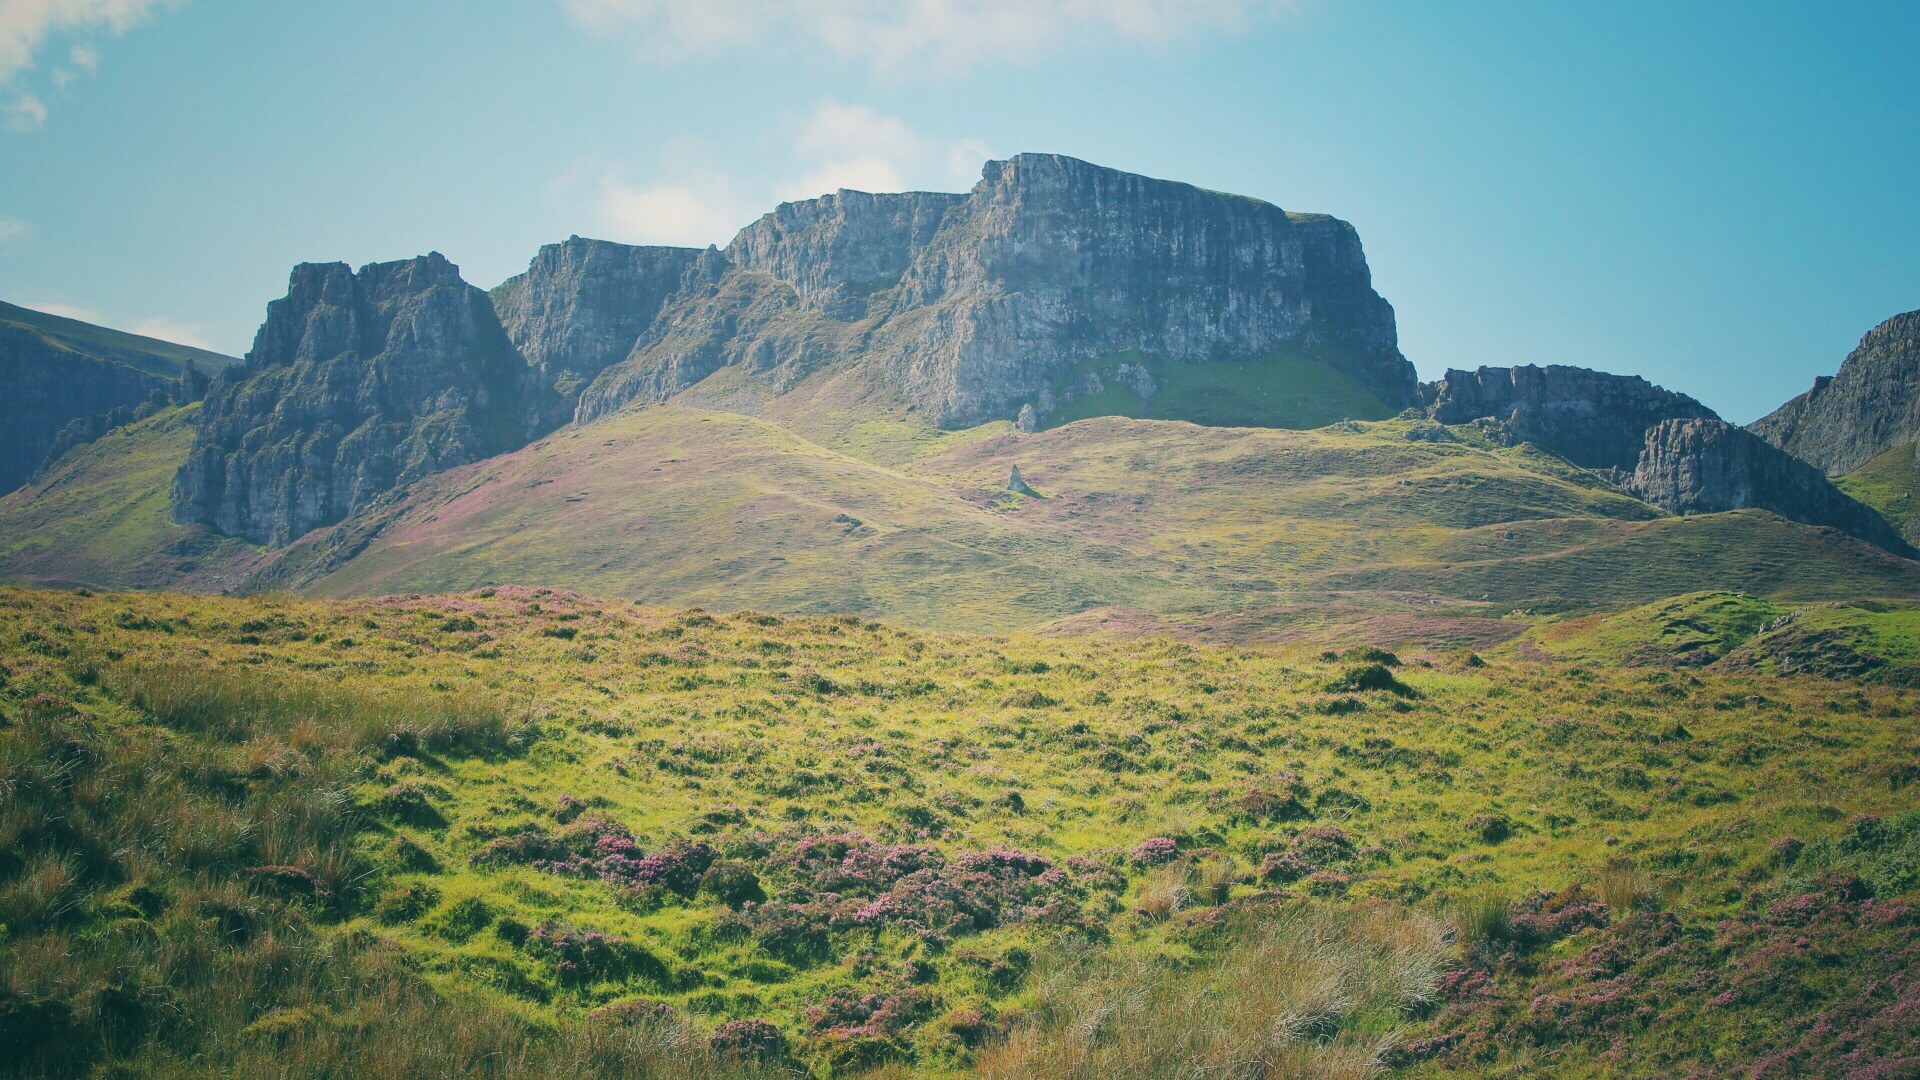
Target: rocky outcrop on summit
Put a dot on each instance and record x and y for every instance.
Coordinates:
(968, 308)
(1710, 466)
(356, 384)
(1872, 405)
(1593, 419)
(580, 307)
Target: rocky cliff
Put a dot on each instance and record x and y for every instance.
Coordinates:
(1871, 405)
(968, 308)
(62, 372)
(579, 308)
(356, 384)
(1593, 419)
(1710, 466)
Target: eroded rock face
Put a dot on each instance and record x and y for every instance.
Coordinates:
(356, 384)
(1710, 466)
(1593, 419)
(969, 307)
(1871, 405)
(580, 307)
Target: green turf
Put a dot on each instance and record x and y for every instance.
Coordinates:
(150, 355)
(1890, 483)
(1284, 390)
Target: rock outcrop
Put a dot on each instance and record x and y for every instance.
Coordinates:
(356, 384)
(1593, 419)
(1870, 406)
(580, 307)
(969, 307)
(1710, 466)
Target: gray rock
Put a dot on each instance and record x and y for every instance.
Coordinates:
(1872, 405)
(356, 384)
(580, 307)
(965, 307)
(1593, 419)
(1710, 466)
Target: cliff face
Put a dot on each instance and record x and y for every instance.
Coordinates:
(1709, 466)
(579, 308)
(969, 307)
(1593, 419)
(356, 383)
(1871, 405)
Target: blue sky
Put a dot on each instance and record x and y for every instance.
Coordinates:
(1718, 196)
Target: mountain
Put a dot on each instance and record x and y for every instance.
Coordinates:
(356, 383)
(1660, 446)
(58, 371)
(1050, 281)
(1870, 406)
(1708, 466)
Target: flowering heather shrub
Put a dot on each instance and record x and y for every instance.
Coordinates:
(586, 956)
(1153, 852)
(633, 1011)
(1285, 867)
(1546, 917)
(566, 808)
(598, 848)
(1323, 844)
(753, 1039)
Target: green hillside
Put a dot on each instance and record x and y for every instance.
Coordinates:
(1890, 483)
(524, 832)
(1352, 532)
(1285, 390)
(151, 355)
(100, 518)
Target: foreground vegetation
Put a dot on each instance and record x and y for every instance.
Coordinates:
(522, 832)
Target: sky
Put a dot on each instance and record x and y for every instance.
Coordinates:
(1721, 197)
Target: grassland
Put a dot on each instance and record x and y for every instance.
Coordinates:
(489, 833)
(1283, 391)
(1890, 483)
(101, 517)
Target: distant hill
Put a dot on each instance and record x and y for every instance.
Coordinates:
(58, 370)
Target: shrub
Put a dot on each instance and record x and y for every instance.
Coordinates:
(732, 883)
(1154, 851)
(1489, 828)
(752, 1039)
(405, 902)
(1367, 677)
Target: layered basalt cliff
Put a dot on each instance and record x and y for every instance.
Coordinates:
(968, 308)
(1591, 418)
(580, 307)
(356, 384)
(1870, 406)
(1710, 466)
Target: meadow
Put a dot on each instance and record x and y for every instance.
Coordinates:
(517, 831)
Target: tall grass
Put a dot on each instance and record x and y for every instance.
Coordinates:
(166, 892)
(1307, 992)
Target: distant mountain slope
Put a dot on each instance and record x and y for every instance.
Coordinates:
(1869, 406)
(57, 370)
(99, 518)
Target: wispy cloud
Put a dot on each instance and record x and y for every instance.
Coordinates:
(28, 26)
(68, 311)
(941, 36)
(12, 229)
(177, 332)
(836, 146)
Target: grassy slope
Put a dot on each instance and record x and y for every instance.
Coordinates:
(100, 518)
(1696, 628)
(1283, 390)
(749, 732)
(151, 355)
(1890, 483)
(1349, 532)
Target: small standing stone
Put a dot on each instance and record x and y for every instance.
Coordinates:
(1016, 484)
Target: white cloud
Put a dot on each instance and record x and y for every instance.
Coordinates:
(696, 202)
(898, 35)
(859, 147)
(26, 26)
(69, 311)
(678, 214)
(168, 330)
(12, 229)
